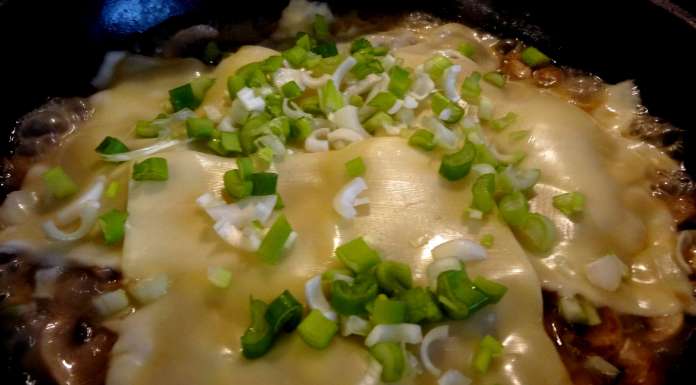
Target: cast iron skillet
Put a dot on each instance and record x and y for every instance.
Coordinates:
(54, 48)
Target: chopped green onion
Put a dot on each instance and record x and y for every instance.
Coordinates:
(493, 290)
(533, 57)
(291, 90)
(273, 244)
(436, 66)
(495, 78)
(484, 155)
(394, 277)
(264, 183)
(274, 104)
(364, 68)
(593, 317)
(420, 306)
(487, 240)
(200, 128)
(300, 129)
(280, 126)
(304, 40)
(379, 51)
(356, 100)
(236, 186)
(58, 183)
(504, 122)
(351, 298)
(190, 95)
(399, 81)
(113, 226)
(471, 88)
(321, 27)
(440, 103)
(388, 311)
(422, 139)
(570, 204)
(467, 49)
(359, 45)
(383, 101)
(245, 166)
(536, 233)
(318, 64)
(518, 135)
(111, 145)
(295, 56)
(257, 78)
(489, 347)
(284, 313)
(112, 190)
(457, 294)
(258, 338)
(280, 204)
(330, 99)
(145, 129)
(515, 179)
(355, 167)
(326, 49)
(513, 208)
(219, 277)
(263, 158)
(212, 53)
(316, 330)
(456, 166)
(271, 64)
(482, 192)
(330, 275)
(357, 255)
(230, 142)
(378, 120)
(392, 358)
(254, 128)
(151, 169)
(311, 104)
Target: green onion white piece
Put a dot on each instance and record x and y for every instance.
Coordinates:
(406, 333)
(435, 334)
(141, 152)
(600, 365)
(342, 70)
(44, 282)
(444, 137)
(219, 277)
(463, 249)
(422, 86)
(373, 374)
(317, 141)
(483, 168)
(606, 272)
(213, 113)
(347, 117)
(88, 214)
(347, 198)
(110, 303)
(439, 266)
(453, 377)
(317, 300)
(286, 75)
(148, 290)
(341, 137)
(353, 324)
(449, 82)
(485, 111)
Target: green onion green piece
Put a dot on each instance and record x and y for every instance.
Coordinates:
(388, 311)
(422, 139)
(230, 142)
(219, 277)
(274, 104)
(245, 166)
(378, 120)
(263, 158)
(200, 128)
(436, 66)
(190, 95)
(145, 129)
(326, 49)
(254, 128)
(355, 167)
(364, 68)
(440, 102)
(482, 193)
(304, 40)
(504, 122)
(493, 290)
(271, 64)
(212, 53)
(392, 358)
(380, 51)
(264, 183)
(273, 244)
(359, 45)
(570, 204)
(235, 186)
(420, 306)
(151, 169)
(258, 338)
(457, 294)
(351, 298)
(357, 255)
(489, 347)
(300, 129)
(484, 155)
(112, 190)
(284, 313)
(257, 78)
(280, 126)
(58, 183)
(291, 90)
(518, 135)
(533, 57)
(330, 99)
(310, 104)
(316, 330)
(113, 226)
(356, 100)
(536, 233)
(471, 88)
(295, 56)
(394, 277)
(514, 208)
(317, 64)
(487, 240)
(330, 275)
(383, 101)
(399, 81)
(495, 78)
(467, 49)
(111, 145)
(280, 204)
(320, 26)
(456, 166)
